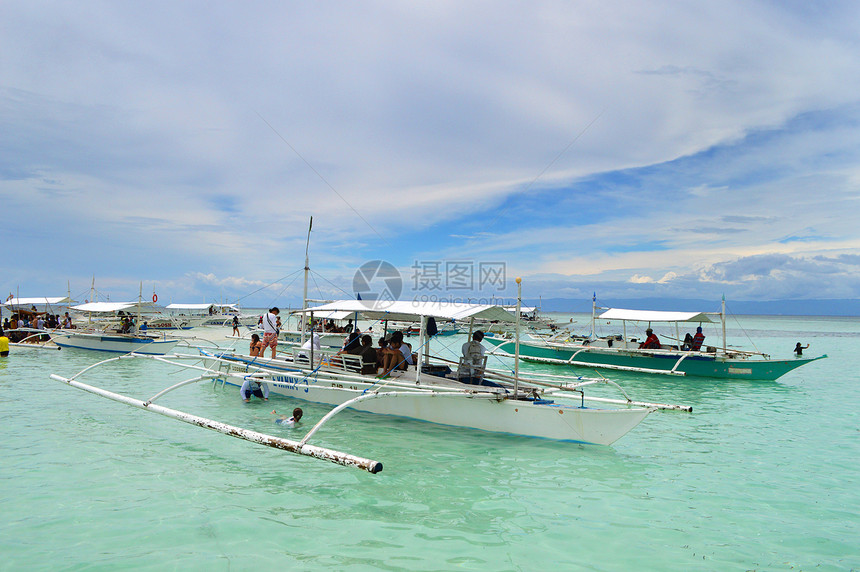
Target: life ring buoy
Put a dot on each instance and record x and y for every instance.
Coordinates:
(154, 297)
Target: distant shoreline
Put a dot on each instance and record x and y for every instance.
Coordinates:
(800, 308)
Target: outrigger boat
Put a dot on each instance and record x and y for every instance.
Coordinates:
(193, 315)
(32, 308)
(546, 406)
(541, 406)
(621, 352)
(107, 341)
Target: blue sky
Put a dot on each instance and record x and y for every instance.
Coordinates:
(636, 149)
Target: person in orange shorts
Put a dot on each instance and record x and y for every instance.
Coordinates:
(271, 329)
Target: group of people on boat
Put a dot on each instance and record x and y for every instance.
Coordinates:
(692, 342)
(390, 354)
(33, 320)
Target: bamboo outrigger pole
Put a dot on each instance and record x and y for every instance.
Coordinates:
(300, 448)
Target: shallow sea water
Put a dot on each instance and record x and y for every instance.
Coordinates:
(761, 476)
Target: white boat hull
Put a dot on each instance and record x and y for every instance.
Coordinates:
(479, 410)
(113, 343)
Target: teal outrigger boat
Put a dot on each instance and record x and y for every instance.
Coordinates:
(621, 352)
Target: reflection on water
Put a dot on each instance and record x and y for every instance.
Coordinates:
(113, 486)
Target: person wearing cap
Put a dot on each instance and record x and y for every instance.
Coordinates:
(651, 342)
(697, 340)
(271, 328)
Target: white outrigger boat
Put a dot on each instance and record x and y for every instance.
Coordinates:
(34, 337)
(188, 316)
(551, 407)
(111, 341)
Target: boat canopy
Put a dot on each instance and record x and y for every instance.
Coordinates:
(30, 302)
(653, 316)
(405, 310)
(201, 306)
(109, 307)
(336, 315)
(523, 309)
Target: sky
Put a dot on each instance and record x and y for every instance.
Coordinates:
(629, 148)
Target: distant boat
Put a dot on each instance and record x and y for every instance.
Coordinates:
(621, 352)
(192, 315)
(111, 341)
(32, 308)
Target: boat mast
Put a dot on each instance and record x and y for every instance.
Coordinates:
(593, 312)
(517, 342)
(305, 294)
(92, 299)
(723, 320)
(139, 302)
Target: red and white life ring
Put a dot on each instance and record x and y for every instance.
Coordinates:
(154, 297)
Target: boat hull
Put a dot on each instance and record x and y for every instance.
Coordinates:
(113, 343)
(482, 411)
(666, 362)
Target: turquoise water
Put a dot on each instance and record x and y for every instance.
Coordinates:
(761, 476)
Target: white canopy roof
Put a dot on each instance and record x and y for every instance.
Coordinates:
(404, 310)
(107, 307)
(338, 315)
(38, 301)
(523, 309)
(199, 306)
(653, 316)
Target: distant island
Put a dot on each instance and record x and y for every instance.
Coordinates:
(850, 307)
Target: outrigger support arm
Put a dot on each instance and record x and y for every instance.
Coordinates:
(342, 406)
(338, 457)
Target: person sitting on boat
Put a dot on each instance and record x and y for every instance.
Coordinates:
(798, 349)
(652, 342)
(697, 340)
(397, 354)
(256, 348)
(368, 355)
(271, 328)
(383, 343)
(688, 342)
(253, 387)
(473, 359)
(352, 344)
(312, 342)
(289, 421)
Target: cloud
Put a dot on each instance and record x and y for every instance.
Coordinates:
(617, 140)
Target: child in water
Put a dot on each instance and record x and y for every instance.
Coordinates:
(289, 421)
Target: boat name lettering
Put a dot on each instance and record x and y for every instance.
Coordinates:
(292, 382)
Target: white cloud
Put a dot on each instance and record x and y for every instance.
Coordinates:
(178, 133)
